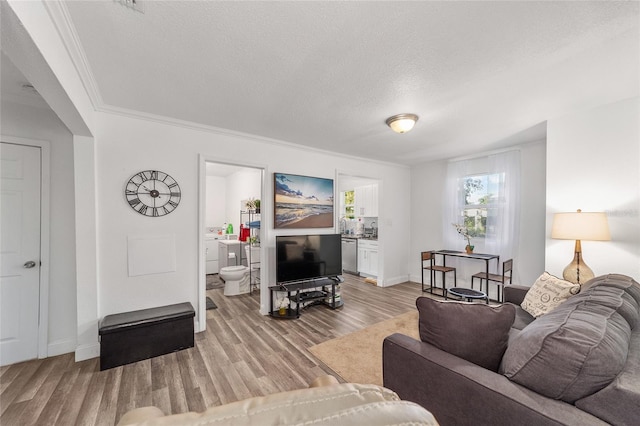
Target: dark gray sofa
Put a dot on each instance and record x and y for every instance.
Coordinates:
(546, 388)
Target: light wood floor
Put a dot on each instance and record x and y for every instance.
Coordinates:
(240, 355)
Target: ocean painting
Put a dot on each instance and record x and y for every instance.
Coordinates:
(302, 201)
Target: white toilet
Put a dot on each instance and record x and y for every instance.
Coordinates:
(236, 278)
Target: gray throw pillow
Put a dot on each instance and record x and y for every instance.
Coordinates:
(476, 332)
(575, 350)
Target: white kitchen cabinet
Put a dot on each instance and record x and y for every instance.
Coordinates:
(373, 262)
(368, 257)
(366, 200)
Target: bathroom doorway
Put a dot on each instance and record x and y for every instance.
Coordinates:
(229, 198)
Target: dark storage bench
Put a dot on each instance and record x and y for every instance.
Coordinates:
(133, 336)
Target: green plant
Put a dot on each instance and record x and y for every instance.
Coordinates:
(252, 204)
(464, 231)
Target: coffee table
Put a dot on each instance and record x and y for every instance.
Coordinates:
(467, 293)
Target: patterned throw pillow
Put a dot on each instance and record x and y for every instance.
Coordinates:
(547, 293)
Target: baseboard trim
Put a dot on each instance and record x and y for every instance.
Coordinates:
(85, 352)
(60, 347)
(388, 282)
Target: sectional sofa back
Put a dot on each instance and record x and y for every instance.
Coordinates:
(586, 351)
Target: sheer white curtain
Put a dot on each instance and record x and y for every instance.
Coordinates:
(454, 203)
(453, 206)
(504, 221)
(503, 218)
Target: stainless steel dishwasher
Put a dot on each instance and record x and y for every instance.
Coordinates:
(350, 255)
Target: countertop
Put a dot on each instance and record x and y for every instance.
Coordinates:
(358, 237)
(230, 242)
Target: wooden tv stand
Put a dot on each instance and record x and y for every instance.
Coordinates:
(305, 293)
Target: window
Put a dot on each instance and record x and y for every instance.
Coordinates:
(349, 205)
(481, 196)
(483, 193)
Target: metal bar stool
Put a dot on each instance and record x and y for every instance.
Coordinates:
(507, 268)
(429, 256)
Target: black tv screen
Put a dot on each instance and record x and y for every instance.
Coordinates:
(304, 257)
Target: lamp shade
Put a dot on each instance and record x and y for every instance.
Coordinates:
(580, 226)
(402, 123)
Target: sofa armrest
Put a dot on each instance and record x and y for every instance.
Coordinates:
(326, 380)
(515, 293)
(456, 391)
(325, 403)
(139, 415)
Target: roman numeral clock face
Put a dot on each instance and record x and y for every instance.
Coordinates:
(152, 193)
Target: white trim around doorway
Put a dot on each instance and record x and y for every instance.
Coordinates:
(45, 227)
(201, 310)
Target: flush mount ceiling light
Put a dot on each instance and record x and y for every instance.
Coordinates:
(402, 123)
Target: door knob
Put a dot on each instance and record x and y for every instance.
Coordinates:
(30, 264)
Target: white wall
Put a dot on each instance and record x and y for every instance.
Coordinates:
(41, 123)
(241, 185)
(127, 145)
(216, 193)
(593, 164)
(224, 196)
(427, 185)
(428, 182)
(530, 262)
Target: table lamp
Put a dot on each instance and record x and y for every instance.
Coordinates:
(579, 226)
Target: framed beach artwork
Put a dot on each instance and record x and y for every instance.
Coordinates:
(302, 201)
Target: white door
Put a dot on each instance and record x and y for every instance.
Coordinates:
(20, 252)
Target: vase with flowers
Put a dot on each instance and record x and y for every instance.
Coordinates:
(283, 305)
(462, 230)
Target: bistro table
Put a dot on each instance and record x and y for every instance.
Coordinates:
(467, 293)
(478, 256)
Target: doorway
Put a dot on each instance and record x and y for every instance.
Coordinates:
(359, 219)
(231, 190)
(24, 283)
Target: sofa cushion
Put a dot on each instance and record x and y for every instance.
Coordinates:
(547, 293)
(573, 351)
(630, 308)
(476, 332)
(344, 403)
(523, 318)
(612, 403)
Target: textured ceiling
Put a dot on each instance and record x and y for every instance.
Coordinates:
(480, 75)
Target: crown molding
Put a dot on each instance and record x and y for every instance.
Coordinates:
(61, 19)
(64, 25)
(170, 121)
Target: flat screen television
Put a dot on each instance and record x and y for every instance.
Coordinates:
(305, 257)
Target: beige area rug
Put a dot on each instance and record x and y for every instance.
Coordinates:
(357, 357)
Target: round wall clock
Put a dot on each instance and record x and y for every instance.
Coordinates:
(152, 193)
